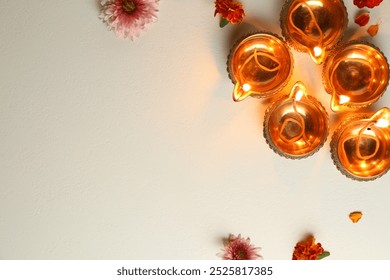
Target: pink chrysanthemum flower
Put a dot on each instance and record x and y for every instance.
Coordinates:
(238, 248)
(128, 17)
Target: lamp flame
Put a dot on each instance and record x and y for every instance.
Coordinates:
(344, 99)
(317, 51)
(317, 54)
(298, 91)
(382, 123)
(241, 92)
(246, 87)
(382, 118)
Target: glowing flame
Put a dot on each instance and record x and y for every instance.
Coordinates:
(298, 95)
(317, 51)
(317, 54)
(344, 99)
(246, 87)
(241, 92)
(298, 91)
(382, 123)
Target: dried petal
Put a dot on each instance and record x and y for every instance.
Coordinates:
(367, 3)
(355, 216)
(373, 29)
(362, 19)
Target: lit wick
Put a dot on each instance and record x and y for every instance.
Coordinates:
(243, 91)
(297, 93)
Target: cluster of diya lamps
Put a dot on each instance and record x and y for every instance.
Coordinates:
(355, 74)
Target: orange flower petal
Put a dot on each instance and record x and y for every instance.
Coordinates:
(373, 30)
(355, 216)
(362, 19)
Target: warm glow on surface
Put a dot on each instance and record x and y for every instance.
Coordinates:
(315, 3)
(369, 132)
(357, 55)
(256, 46)
(363, 165)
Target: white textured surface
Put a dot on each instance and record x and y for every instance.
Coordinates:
(112, 149)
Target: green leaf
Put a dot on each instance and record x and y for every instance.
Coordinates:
(323, 255)
(223, 22)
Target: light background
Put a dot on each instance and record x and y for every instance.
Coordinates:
(112, 149)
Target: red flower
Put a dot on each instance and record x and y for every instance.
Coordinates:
(307, 250)
(238, 248)
(367, 3)
(229, 10)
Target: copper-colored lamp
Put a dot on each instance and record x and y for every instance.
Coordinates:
(360, 146)
(356, 74)
(313, 26)
(259, 65)
(296, 125)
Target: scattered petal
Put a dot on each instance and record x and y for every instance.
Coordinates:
(238, 248)
(355, 216)
(373, 29)
(309, 250)
(367, 3)
(362, 19)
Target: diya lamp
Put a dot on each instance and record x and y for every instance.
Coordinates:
(259, 65)
(356, 74)
(296, 125)
(313, 26)
(360, 146)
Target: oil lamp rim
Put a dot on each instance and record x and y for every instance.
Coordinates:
(269, 141)
(334, 144)
(297, 46)
(336, 50)
(247, 36)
